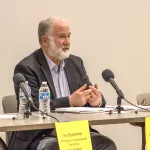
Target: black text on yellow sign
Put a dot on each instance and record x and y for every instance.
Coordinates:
(74, 135)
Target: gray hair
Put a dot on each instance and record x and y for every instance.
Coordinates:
(45, 26)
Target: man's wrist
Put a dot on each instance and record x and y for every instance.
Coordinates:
(70, 101)
(100, 104)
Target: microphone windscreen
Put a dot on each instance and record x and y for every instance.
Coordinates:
(18, 78)
(107, 74)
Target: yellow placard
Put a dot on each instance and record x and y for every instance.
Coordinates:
(147, 132)
(74, 135)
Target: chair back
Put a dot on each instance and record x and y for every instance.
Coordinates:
(143, 99)
(9, 104)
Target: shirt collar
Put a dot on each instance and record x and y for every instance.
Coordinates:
(52, 65)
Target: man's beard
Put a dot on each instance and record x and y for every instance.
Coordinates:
(59, 53)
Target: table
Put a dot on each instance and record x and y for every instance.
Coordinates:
(34, 122)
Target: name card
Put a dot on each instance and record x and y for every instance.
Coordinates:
(74, 135)
(147, 132)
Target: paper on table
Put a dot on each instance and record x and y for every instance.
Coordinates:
(99, 109)
(130, 107)
(122, 112)
(145, 107)
(108, 108)
(126, 107)
(7, 116)
(82, 109)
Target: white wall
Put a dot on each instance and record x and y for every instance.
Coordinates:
(106, 34)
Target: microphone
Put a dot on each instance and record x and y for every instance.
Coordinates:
(19, 80)
(108, 76)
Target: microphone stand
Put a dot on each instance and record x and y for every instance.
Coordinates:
(119, 108)
(27, 112)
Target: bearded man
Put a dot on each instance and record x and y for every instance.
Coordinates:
(68, 82)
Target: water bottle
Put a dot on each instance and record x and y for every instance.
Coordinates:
(44, 99)
(23, 100)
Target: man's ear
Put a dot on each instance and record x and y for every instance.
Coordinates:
(44, 41)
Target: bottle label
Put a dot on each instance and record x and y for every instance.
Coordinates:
(21, 94)
(44, 95)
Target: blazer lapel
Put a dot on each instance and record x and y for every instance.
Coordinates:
(71, 76)
(46, 71)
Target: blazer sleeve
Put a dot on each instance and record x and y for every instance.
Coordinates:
(32, 81)
(34, 84)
